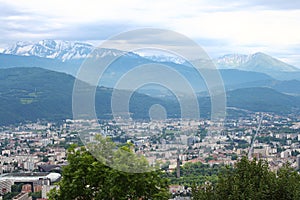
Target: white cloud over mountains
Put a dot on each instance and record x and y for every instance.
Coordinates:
(219, 26)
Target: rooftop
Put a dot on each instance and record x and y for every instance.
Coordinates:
(30, 177)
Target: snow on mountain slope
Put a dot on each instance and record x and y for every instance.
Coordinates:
(70, 50)
(163, 58)
(261, 62)
(63, 50)
(231, 61)
(257, 62)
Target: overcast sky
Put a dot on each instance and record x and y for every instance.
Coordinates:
(220, 27)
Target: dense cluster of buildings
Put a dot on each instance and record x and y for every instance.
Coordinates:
(32, 156)
(34, 153)
(265, 136)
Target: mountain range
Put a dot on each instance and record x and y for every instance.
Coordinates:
(62, 50)
(37, 81)
(67, 56)
(232, 78)
(72, 50)
(259, 62)
(28, 94)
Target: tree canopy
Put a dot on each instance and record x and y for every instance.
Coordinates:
(252, 180)
(86, 178)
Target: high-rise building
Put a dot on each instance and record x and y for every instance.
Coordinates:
(178, 168)
(298, 161)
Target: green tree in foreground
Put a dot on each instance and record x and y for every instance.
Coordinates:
(252, 180)
(86, 178)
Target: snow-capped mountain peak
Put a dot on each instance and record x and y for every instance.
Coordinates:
(164, 58)
(258, 62)
(104, 52)
(262, 62)
(63, 50)
(160, 56)
(72, 50)
(232, 60)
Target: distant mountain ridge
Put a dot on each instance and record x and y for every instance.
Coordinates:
(261, 62)
(67, 56)
(256, 82)
(232, 78)
(231, 61)
(55, 49)
(28, 94)
(262, 99)
(45, 94)
(74, 50)
(61, 50)
(257, 62)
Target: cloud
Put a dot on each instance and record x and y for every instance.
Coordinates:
(217, 25)
(93, 31)
(7, 10)
(22, 25)
(227, 20)
(253, 5)
(274, 4)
